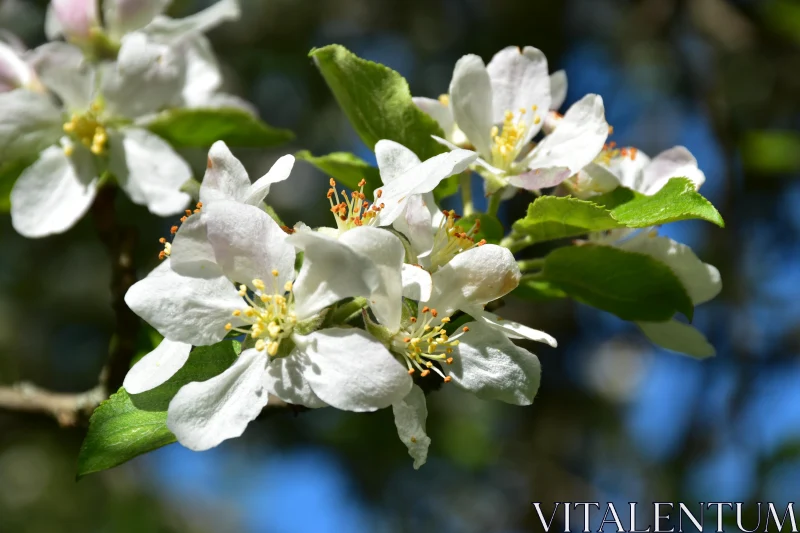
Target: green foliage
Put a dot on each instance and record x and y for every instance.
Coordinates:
(203, 127)
(9, 172)
(345, 168)
(551, 217)
(126, 426)
(377, 101)
(630, 285)
(771, 152)
(491, 228)
(538, 290)
(447, 187)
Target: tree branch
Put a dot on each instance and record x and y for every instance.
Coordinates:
(66, 408)
(120, 243)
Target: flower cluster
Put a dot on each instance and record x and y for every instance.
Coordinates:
(230, 272)
(76, 113)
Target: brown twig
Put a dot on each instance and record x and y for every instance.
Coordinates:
(120, 243)
(66, 408)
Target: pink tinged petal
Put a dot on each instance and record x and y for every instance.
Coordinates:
(676, 162)
(701, 280)
(475, 277)
(576, 141)
(157, 367)
(541, 178)
(492, 367)
(279, 172)
(416, 283)
(511, 329)
(350, 370)
(520, 81)
(54, 192)
(284, 379)
(185, 309)
(678, 337)
(14, 71)
(203, 414)
(147, 77)
(149, 171)
(420, 179)
(471, 102)
(225, 178)
(394, 159)
(558, 89)
(410, 415)
(249, 245)
(125, 16)
(192, 254)
(439, 112)
(76, 18)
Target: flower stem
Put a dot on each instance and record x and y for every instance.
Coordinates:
(494, 202)
(515, 242)
(465, 183)
(345, 313)
(531, 264)
(120, 243)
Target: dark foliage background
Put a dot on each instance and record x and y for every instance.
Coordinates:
(615, 420)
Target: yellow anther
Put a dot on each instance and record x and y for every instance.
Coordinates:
(68, 150)
(260, 345)
(258, 284)
(274, 330)
(237, 313)
(228, 326)
(275, 272)
(287, 286)
(444, 99)
(272, 348)
(445, 320)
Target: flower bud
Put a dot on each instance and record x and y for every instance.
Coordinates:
(76, 19)
(15, 73)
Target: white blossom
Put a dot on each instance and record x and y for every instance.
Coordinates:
(94, 131)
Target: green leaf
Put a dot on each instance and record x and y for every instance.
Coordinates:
(538, 290)
(550, 218)
(203, 127)
(677, 200)
(631, 285)
(345, 168)
(9, 172)
(377, 101)
(447, 187)
(491, 228)
(125, 426)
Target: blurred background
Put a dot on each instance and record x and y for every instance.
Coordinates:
(615, 419)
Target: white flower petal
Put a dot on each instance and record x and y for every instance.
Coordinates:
(53, 193)
(678, 337)
(511, 329)
(170, 30)
(279, 172)
(185, 309)
(157, 367)
(471, 102)
(701, 280)
(475, 277)
(394, 159)
(558, 89)
(192, 254)
(420, 223)
(439, 112)
(416, 283)
(203, 74)
(147, 77)
(30, 124)
(410, 415)
(350, 370)
(149, 170)
(629, 170)
(593, 179)
(520, 81)
(488, 364)
(419, 179)
(576, 141)
(203, 414)
(541, 178)
(676, 162)
(249, 245)
(126, 16)
(284, 379)
(385, 252)
(76, 18)
(225, 178)
(15, 73)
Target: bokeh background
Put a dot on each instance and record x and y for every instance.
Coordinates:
(615, 420)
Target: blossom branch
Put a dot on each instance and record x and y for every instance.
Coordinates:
(66, 408)
(120, 243)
